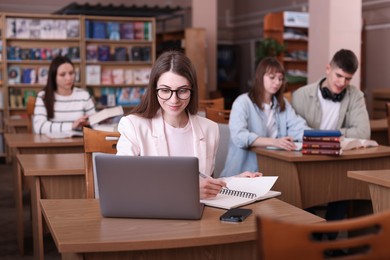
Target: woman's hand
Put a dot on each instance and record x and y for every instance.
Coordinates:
(250, 174)
(80, 123)
(285, 143)
(210, 187)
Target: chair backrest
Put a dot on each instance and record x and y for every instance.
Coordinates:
(96, 141)
(214, 103)
(30, 106)
(223, 147)
(286, 240)
(388, 120)
(218, 115)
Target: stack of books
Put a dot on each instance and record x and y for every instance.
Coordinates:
(324, 142)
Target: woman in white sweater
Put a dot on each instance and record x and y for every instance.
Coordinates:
(61, 107)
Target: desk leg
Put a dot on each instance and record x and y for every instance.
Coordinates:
(18, 190)
(37, 219)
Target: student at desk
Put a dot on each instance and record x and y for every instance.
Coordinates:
(262, 117)
(332, 103)
(166, 121)
(61, 107)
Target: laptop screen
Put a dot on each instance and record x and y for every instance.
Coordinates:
(148, 186)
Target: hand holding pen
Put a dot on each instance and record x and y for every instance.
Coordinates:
(209, 187)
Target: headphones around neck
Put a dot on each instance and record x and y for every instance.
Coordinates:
(327, 94)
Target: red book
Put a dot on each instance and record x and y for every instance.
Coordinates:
(322, 151)
(321, 145)
(323, 139)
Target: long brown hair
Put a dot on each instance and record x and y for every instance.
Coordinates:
(256, 93)
(51, 84)
(179, 64)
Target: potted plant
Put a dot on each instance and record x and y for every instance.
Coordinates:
(268, 47)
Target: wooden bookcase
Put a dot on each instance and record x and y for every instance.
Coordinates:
(193, 42)
(131, 46)
(291, 30)
(28, 50)
(380, 97)
(2, 145)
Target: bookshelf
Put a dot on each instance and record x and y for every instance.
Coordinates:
(2, 145)
(192, 41)
(291, 30)
(120, 49)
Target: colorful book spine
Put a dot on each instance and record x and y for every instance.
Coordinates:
(321, 145)
(322, 138)
(322, 133)
(322, 151)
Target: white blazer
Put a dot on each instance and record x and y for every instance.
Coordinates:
(141, 136)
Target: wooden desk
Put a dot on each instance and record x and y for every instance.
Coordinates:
(52, 176)
(14, 126)
(379, 131)
(379, 185)
(310, 180)
(26, 143)
(79, 231)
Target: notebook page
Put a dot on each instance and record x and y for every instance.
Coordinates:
(259, 185)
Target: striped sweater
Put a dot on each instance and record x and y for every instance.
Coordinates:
(67, 109)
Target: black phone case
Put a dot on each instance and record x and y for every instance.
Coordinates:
(235, 215)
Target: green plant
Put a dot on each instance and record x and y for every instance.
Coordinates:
(268, 47)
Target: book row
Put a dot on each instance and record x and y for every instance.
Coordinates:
(119, 53)
(32, 75)
(23, 28)
(97, 75)
(18, 97)
(19, 53)
(128, 96)
(325, 142)
(112, 30)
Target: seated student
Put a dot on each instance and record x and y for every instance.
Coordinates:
(61, 107)
(332, 103)
(262, 117)
(166, 123)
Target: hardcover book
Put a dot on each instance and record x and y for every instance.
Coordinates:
(22, 28)
(43, 73)
(113, 30)
(103, 52)
(321, 145)
(73, 29)
(92, 52)
(322, 139)
(106, 76)
(118, 77)
(35, 28)
(335, 152)
(93, 73)
(120, 54)
(319, 133)
(105, 114)
(127, 31)
(14, 75)
(47, 29)
(99, 29)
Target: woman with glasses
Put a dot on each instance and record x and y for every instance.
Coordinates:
(166, 121)
(261, 117)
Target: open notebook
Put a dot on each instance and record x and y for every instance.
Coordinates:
(243, 191)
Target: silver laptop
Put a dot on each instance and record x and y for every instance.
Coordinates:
(148, 186)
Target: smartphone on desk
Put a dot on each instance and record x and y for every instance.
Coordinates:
(235, 215)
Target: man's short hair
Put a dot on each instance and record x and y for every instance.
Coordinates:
(345, 60)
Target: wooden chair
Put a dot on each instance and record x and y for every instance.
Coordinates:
(96, 141)
(388, 120)
(286, 240)
(218, 103)
(30, 106)
(218, 115)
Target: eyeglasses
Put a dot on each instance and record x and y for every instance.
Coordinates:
(181, 93)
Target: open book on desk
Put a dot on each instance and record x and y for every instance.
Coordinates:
(243, 191)
(297, 144)
(353, 143)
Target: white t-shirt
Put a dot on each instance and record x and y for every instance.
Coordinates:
(331, 116)
(180, 140)
(272, 130)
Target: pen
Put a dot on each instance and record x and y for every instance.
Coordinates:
(204, 175)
